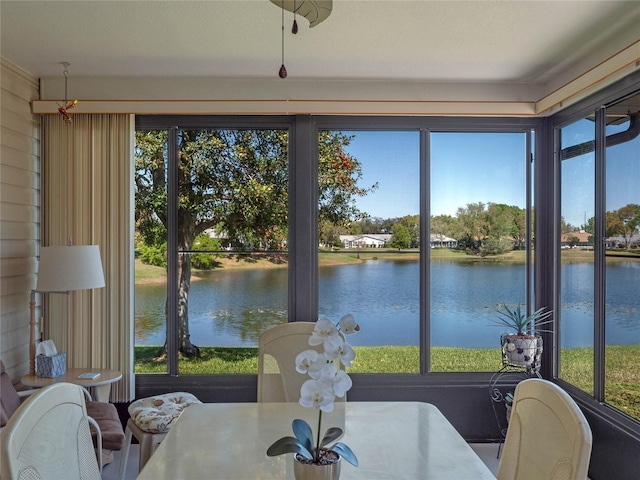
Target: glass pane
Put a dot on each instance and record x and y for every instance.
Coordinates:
(369, 205)
(576, 316)
(232, 259)
(478, 244)
(150, 249)
(622, 232)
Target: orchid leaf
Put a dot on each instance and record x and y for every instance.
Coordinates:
(332, 434)
(288, 445)
(346, 453)
(303, 433)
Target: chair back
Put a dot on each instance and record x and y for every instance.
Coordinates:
(48, 437)
(9, 398)
(278, 347)
(548, 436)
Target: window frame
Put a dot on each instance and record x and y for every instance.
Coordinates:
(470, 413)
(594, 105)
(426, 126)
(303, 252)
(172, 124)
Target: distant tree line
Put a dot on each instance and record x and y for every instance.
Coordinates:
(623, 222)
(485, 228)
(478, 228)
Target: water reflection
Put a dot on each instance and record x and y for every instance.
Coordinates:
(231, 308)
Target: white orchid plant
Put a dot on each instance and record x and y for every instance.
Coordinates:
(327, 382)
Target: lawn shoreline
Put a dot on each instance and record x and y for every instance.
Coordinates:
(149, 274)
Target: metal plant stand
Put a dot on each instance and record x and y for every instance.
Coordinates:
(505, 380)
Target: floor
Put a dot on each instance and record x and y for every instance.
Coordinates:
(112, 470)
(486, 451)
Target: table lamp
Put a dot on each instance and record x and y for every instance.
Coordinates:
(63, 269)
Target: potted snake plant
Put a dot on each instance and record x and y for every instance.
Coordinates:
(521, 347)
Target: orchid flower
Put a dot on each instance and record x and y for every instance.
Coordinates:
(335, 379)
(315, 370)
(346, 354)
(313, 394)
(305, 360)
(325, 331)
(327, 382)
(348, 325)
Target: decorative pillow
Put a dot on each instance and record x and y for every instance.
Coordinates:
(158, 413)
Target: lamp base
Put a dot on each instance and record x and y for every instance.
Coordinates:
(32, 334)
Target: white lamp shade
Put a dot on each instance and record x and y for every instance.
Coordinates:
(67, 268)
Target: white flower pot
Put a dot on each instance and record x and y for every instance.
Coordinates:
(310, 471)
(521, 350)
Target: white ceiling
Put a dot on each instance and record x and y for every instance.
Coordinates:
(441, 41)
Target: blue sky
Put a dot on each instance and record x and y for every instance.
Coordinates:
(578, 173)
(481, 167)
(392, 160)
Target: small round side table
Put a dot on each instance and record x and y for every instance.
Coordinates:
(100, 386)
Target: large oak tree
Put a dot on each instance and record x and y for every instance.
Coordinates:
(236, 182)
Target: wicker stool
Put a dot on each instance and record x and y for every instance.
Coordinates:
(151, 419)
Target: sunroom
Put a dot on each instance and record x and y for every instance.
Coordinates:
(445, 112)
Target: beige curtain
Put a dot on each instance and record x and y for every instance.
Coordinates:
(87, 198)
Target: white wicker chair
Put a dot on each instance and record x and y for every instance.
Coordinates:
(548, 436)
(278, 380)
(48, 437)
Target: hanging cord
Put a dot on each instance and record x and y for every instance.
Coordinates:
(66, 78)
(283, 71)
(294, 27)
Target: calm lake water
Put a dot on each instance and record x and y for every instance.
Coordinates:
(231, 308)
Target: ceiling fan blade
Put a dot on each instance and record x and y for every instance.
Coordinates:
(315, 11)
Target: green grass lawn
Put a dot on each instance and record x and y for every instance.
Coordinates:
(622, 381)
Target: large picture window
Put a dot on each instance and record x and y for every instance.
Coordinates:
(229, 251)
(227, 245)
(600, 254)
(228, 189)
(478, 240)
(622, 263)
(576, 316)
(417, 230)
(368, 260)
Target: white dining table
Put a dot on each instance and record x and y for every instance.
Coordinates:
(392, 440)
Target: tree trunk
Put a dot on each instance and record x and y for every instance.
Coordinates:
(184, 284)
(185, 241)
